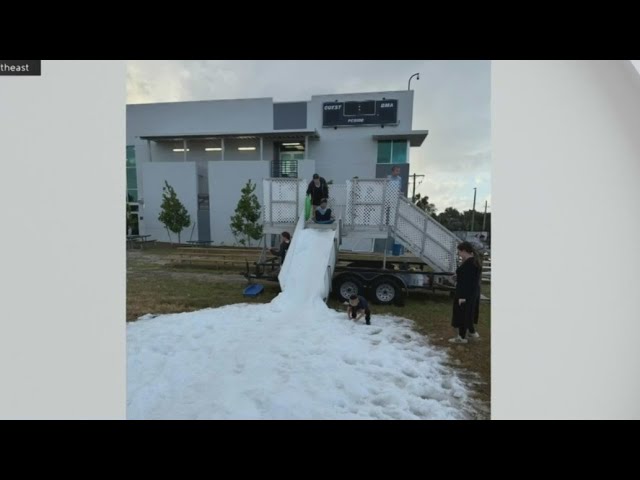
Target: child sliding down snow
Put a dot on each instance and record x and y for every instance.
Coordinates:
(323, 214)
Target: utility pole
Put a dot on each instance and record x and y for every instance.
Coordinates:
(473, 212)
(413, 197)
(484, 218)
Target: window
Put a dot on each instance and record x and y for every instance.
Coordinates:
(392, 151)
(132, 175)
(287, 157)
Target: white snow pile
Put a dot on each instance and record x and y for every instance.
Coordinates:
(291, 359)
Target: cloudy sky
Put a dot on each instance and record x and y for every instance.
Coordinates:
(452, 101)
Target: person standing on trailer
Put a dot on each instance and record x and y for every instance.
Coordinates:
(394, 189)
(395, 177)
(317, 189)
(359, 307)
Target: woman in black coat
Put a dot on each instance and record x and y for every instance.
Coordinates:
(467, 293)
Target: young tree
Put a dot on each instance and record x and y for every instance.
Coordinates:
(173, 214)
(423, 204)
(245, 224)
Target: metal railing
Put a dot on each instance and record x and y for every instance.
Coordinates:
(424, 236)
(367, 204)
(282, 198)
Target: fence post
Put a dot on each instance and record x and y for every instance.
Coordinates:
(383, 208)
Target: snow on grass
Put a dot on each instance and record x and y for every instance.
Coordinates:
(291, 359)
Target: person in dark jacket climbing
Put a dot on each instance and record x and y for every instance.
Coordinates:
(359, 307)
(285, 243)
(467, 291)
(318, 189)
(323, 213)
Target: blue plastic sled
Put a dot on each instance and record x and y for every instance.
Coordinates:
(253, 290)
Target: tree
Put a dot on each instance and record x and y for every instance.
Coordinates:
(451, 219)
(245, 223)
(173, 214)
(423, 204)
(467, 214)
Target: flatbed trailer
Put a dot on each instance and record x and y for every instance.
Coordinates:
(382, 286)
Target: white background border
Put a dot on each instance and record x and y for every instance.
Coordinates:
(62, 246)
(566, 167)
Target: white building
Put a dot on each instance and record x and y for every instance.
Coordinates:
(207, 150)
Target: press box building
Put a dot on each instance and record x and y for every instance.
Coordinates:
(207, 150)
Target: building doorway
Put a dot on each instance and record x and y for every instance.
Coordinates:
(286, 158)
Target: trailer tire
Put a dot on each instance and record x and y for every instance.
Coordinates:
(347, 285)
(387, 290)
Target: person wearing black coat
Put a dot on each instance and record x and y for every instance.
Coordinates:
(467, 293)
(477, 310)
(284, 247)
(318, 189)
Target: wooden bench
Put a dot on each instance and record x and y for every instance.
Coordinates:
(217, 259)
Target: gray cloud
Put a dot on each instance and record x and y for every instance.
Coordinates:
(452, 101)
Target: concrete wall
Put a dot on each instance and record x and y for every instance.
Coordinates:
(306, 169)
(191, 118)
(163, 152)
(226, 179)
(197, 152)
(232, 153)
(183, 118)
(183, 178)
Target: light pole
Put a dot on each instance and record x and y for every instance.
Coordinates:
(484, 218)
(417, 75)
(473, 212)
(414, 175)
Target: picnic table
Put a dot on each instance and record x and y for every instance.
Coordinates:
(133, 240)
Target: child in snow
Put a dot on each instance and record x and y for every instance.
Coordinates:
(359, 307)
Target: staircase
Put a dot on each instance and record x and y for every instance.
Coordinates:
(378, 205)
(424, 236)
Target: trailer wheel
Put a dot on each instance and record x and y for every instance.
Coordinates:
(387, 290)
(347, 285)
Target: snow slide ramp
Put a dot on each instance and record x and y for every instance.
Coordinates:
(308, 268)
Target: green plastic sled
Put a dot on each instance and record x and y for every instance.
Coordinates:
(307, 208)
